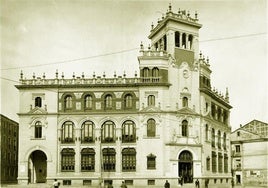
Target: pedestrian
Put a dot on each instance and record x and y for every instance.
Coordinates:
(181, 180)
(56, 184)
(123, 185)
(167, 185)
(197, 183)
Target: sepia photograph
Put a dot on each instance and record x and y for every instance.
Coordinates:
(134, 93)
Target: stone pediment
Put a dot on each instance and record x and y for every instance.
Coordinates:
(151, 109)
(37, 110)
(187, 111)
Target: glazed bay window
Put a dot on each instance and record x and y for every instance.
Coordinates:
(67, 160)
(128, 131)
(87, 132)
(67, 134)
(129, 159)
(108, 132)
(108, 159)
(87, 159)
(212, 137)
(151, 163)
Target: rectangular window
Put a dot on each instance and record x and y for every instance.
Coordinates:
(87, 182)
(129, 182)
(87, 162)
(220, 162)
(67, 182)
(151, 162)
(67, 163)
(208, 163)
(151, 182)
(214, 162)
(237, 148)
(225, 163)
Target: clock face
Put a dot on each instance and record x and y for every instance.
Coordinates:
(186, 74)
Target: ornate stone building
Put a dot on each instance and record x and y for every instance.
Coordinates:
(166, 123)
(9, 135)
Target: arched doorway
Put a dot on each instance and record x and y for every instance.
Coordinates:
(186, 167)
(37, 167)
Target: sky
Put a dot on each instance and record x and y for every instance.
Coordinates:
(42, 36)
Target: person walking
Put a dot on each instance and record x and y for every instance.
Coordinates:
(56, 184)
(167, 185)
(197, 183)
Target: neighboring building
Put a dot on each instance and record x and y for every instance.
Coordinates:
(166, 123)
(9, 136)
(249, 154)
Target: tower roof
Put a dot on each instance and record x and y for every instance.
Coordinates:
(180, 17)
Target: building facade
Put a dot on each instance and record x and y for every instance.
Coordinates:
(165, 124)
(9, 150)
(249, 154)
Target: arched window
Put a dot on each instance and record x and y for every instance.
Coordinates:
(185, 102)
(128, 101)
(108, 102)
(190, 42)
(128, 131)
(155, 74)
(151, 128)
(184, 128)
(219, 114)
(151, 100)
(212, 137)
(177, 39)
(87, 159)
(67, 159)
(146, 72)
(68, 102)
(129, 159)
(206, 132)
(108, 159)
(88, 102)
(184, 40)
(38, 130)
(151, 162)
(108, 132)
(87, 134)
(219, 139)
(67, 132)
(38, 102)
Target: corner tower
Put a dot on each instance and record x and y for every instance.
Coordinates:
(177, 33)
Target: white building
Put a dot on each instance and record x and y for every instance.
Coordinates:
(164, 124)
(249, 154)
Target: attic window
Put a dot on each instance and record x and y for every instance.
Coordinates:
(238, 133)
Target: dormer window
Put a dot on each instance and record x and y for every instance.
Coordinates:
(38, 102)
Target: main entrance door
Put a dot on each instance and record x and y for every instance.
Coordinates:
(186, 167)
(37, 167)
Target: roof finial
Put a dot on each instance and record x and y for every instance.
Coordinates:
(44, 75)
(163, 16)
(57, 73)
(196, 15)
(169, 7)
(33, 75)
(83, 76)
(200, 55)
(141, 46)
(21, 75)
(62, 75)
(73, 75)
(188, 13)
(179, 12)
(227, 95)
(152, 26)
